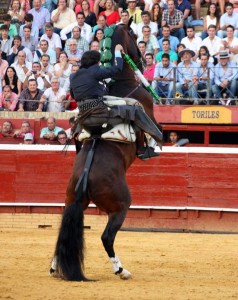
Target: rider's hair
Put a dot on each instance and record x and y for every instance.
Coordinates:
(90, 58)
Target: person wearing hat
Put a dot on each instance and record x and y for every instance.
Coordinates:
(134, 11)
(187, 74)
(225, 79)
(28, 139)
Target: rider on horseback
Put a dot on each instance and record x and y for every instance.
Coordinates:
(88, 91)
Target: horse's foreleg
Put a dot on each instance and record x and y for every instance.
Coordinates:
(108, 237)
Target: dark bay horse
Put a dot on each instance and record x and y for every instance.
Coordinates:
(105, 184)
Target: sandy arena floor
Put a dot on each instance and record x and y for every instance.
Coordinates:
(163, 265)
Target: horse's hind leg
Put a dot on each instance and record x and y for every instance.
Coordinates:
(108, 237)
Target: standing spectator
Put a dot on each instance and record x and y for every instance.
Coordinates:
(41, 16)
(90, 17)
(164, 76)
(3, 64)
(229, 18)
(55, 97)
(17, 14)
(185, 7)
(166, 35)
(206, 75)
(25, 129)
(51, 131)
(63, 68)
(212, 42)
(8, 99)
(46, 67)
(191, 41)
(225, 78)
(112, 15)
(29, 22)
(166, 49)
(152, 45)
(187, 74)
(82, 44)
(29, 41)
(44, 49)
(43, 80)
(86, 30)
(6, 41)
(21, 66)
(62, 137)
(146, 20)
(212, 18)
(53, 39)
(6, 130)
(17, 46)
(134, 11)
(29, 99)
(12, 30)
(28, 139)
(174, 19)
(150, 67)
(10, 78)
(62, 16)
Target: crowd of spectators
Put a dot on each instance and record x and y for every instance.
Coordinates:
(42, 42)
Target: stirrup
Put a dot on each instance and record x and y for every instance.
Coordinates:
(149, 152)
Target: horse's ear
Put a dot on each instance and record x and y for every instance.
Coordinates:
(130, 21)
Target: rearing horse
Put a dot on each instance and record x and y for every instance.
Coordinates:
(105, 183)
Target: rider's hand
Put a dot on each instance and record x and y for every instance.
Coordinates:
(119, 48)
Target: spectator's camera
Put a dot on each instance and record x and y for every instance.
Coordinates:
(34, 72)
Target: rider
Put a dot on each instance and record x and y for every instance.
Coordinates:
(88, 91)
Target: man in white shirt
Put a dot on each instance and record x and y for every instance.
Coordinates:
(212, 42)
(53, 39)
(228, 18)
(191, 41)
(86, 30)
(21, 66)
(145, 15)
(43, 80)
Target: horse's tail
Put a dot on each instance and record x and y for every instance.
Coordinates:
(69, 250)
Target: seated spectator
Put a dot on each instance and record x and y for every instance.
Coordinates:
(125, 20)
(51, 131)
(28, 139)
(71, 129)
(82, 44)
(25, 5)
(99, 6)
(142, 48)
(134, 11)
(46, 67)
(25, 129)
(204, 50)
(180, 48)
(3, 64)
(146, 20)
(53, 97)
(62, 137)
(150, 67)
(187, 74)
(12, 30)
(73, 53)
(99, 34)
(70, 104)
(29, 99)
(94, 46)
(6, 41)
(191, 41)
(230, 43)
(198, 6)
(185, 7)
(44, 49)
(149, 4)
(212, 42)
(225, 79)
(62, 16)
(50, 5)
(175, 141)
(6, 130)
(112, 15)
(63, 68)
(21, 66)
(10, 78)
(101, 23)
(41, 16)
(17, 13)
(90, 17)
(53, 39)
(152, 45)
(29, 41)
(8, 99)
(86, 30)
(43, 80)
(174, 19)
(164, 77)
(212, 18)
(156, 14)
(166, 49)
(78, 6)
(29, 22)
(229, 18)
(17, 46)
(166, 35)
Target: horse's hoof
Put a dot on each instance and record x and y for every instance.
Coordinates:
(125, 275)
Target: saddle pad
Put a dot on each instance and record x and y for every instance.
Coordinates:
(121, 132)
